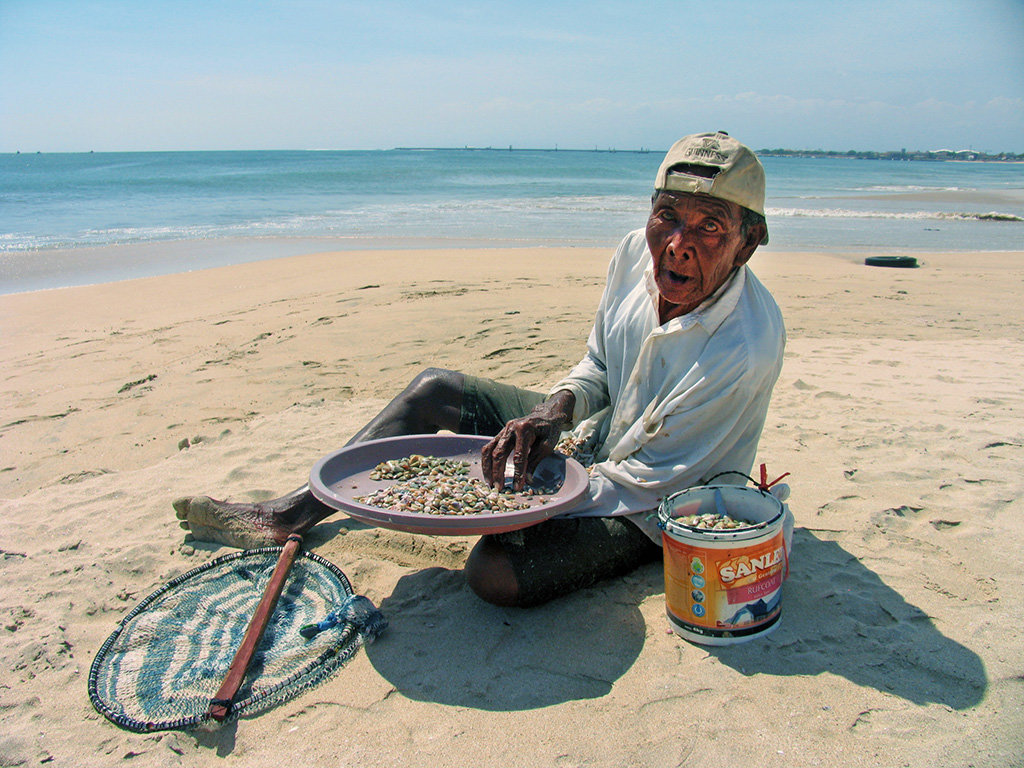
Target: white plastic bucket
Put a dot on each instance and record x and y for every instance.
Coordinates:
(723, 586)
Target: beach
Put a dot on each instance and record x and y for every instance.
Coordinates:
(898, 414)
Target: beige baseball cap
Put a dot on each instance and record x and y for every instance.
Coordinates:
(739, 177)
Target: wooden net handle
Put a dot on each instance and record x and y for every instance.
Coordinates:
(221, 703)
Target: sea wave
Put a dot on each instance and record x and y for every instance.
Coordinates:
(910, 188)
(847, 213)
(568, 218)
(516, 218)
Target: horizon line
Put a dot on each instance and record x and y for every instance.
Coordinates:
(513, 148)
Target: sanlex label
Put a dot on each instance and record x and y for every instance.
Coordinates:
(725, 589)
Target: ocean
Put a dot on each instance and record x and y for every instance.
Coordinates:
(68, 219)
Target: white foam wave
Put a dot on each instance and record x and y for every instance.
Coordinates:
(910, 188)
(847, 213)
(530, 217)
(555, 216)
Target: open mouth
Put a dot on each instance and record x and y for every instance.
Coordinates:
(677, 278)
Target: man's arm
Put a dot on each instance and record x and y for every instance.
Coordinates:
(709, 423)
(528, 440)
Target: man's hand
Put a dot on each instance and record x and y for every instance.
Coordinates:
(528, 440)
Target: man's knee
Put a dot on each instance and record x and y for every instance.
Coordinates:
(431, 402)
(435, 386)
(490, 574)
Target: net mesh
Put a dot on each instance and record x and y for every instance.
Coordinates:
(168, 656)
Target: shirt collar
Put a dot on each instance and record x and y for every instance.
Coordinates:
(711, 312)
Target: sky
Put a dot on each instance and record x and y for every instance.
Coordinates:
(134, 75)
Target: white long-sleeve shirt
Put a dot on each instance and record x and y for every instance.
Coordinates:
(671, 405)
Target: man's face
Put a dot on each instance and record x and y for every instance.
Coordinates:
(696, 242)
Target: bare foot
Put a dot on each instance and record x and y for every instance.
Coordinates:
(237, 525)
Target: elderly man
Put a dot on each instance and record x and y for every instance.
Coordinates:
(674, 388)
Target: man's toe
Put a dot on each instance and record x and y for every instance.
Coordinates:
(181, 507)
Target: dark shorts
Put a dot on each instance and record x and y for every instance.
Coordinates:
(563, 554)
(566, 554)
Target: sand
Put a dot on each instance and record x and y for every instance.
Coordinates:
(898, 413)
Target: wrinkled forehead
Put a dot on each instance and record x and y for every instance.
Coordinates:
(697, 201)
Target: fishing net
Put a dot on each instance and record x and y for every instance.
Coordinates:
(167, 658)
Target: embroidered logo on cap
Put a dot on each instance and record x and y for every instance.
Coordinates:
(709, 149)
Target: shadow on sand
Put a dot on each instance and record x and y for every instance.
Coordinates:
(445, 645)
(847, 622)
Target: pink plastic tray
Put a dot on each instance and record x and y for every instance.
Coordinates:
(338, 478)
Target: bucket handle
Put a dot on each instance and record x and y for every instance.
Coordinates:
(729, 472)
(764, 485)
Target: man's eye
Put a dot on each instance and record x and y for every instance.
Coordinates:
(710, 226)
